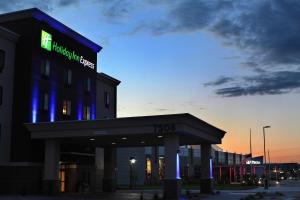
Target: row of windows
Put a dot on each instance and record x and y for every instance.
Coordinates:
(46, 71)
(1, 94)
(2, 60)
(66, 107)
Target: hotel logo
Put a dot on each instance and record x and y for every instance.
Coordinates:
(49, 44)
(46, 40)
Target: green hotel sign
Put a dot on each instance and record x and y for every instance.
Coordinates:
(50, 45)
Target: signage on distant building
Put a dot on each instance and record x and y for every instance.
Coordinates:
(50, 45)
(253, 162)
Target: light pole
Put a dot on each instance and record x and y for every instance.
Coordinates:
(132, 161)
(265, 158)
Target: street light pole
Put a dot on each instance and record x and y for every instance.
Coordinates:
(131, 175)
(265, 158)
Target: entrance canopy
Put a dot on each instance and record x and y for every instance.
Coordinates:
(129, 131)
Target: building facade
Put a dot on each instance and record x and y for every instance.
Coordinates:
(48, 73)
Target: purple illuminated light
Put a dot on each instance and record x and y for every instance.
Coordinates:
(177, 167)
(52, 105)
(34, 103)
(210, 169)
(93, 116)
(79, 110)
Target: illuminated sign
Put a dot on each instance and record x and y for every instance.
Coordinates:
(50, 45)
(253, 162)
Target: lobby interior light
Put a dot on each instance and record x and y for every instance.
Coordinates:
(92, 139)
(113, 143)
(159, 136)
(132, 160)
(124, 138)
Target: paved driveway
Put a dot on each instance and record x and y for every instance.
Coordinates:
(290, 190)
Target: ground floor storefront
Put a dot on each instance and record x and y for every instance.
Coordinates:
(102, 138)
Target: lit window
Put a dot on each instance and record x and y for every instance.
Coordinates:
(1, 94)
(106, 99)
(45, 68)
(68, 77)
(87, 85)
(86, 113)
(148, 166)
(45, 101)
(2, 60)
(66, 107)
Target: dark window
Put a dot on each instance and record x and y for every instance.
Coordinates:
(86, 113)
(2, 60)
(68, 76)
(87, 84)
(45, 68)
(1, 94)
(66, 110)
(45, 102)
(106, 99)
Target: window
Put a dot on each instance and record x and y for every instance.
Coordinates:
(1, 94)
(45, 68)
(45, 102)
(68, 76)
(2, 60)
(106, 99)
(87, 85)
(86, 113)
(66, 107)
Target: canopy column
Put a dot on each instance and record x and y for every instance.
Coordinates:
(172, 183)
(51, 167)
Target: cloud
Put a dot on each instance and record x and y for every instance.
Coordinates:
(220, 81)
(265, 30)
(14, 5)
(267, 83)
(163, 109)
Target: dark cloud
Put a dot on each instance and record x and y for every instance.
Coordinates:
(267, 83)
(267, 29)
(14, 5)
(115, 10)
(67, 2)
(163, 109)
(219, 81)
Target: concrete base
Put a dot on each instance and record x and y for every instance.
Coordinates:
(51, 187)
(172, 189)
(109, 185)
(206, 186)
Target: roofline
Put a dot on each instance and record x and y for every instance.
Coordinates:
(104, 76)
(174, 116)
(8, 34)
(41, 16)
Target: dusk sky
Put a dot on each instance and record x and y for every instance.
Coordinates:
(233, 64)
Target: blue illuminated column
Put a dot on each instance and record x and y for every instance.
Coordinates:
(93, 111)
(178, 166)
(206, 169)
(34, 102)
(172, 180)
(52, 104)
(210, 169)
(79, 109)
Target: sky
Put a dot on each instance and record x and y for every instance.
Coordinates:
(234, 64)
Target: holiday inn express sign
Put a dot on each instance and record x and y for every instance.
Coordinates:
(49, 44)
